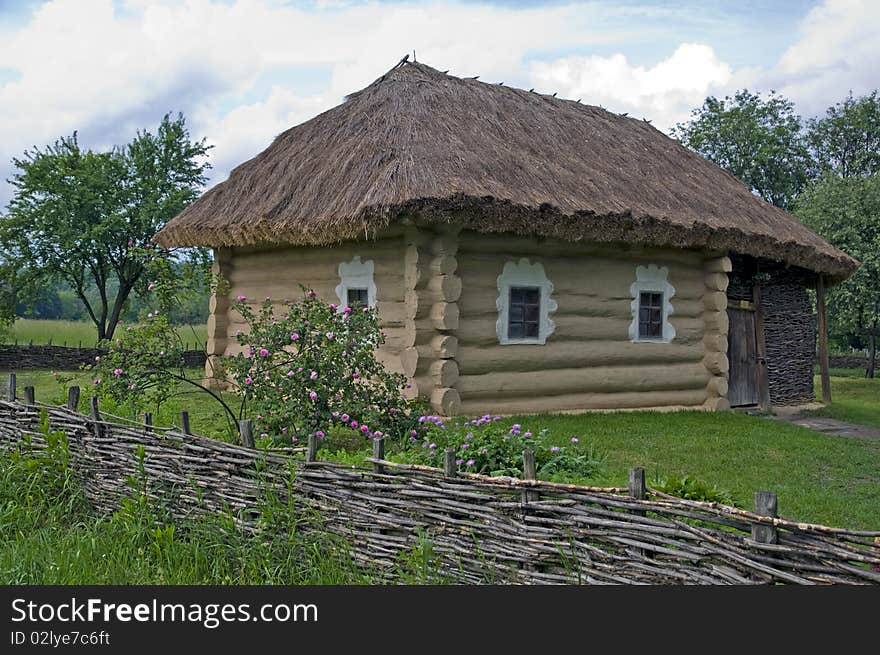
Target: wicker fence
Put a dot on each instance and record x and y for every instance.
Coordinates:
(33, 357)
(482, 529)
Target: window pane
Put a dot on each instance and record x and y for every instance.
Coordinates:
(523, 313)
(357, 297)
(516, 331)
(532, 313)
(531, 330)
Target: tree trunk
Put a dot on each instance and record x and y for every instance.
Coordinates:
(872, 351)
(121, 297)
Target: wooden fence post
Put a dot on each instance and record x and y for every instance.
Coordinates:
(449, 466)
(246, 432)
(96, 416)
(637, 488)
(184, 422)
(530, 472)
(822, 329)
(378, 453)
(148, 422)
(765, 505)
(10, 388)
(30, 396)
(312, 450)
(73, 399)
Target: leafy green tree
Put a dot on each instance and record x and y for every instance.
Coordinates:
(846, 212)
(86, 218)
(846, 141)
(759, 140)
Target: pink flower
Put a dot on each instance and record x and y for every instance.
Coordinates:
(97, 381)
(151, 286)
(97, 358)
(314, 375)
(248, 380)
(392, 411)
(574, 440)
(294, 336)
(313, 396)
(290, 373)
(344, 418)
(356, 376)
(332, 305)
(377, 434)
(470, 462)
(131, 243)
(554, 449)
(264, 352)
(347, 310)
(268, 299)
(117, 371)
(329, 335)
(241, 298)
(413, 433)
(354, 425)
(365, 429)
(319, 434)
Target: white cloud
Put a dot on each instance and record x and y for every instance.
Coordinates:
(663, 93)
(838, 49)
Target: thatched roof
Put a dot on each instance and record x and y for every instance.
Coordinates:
(420, 143)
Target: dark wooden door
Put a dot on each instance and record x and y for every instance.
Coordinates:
(742, 351)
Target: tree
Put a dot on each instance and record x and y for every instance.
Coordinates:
(86, 218)
(846, 212)
(846, 141)
(759, 140)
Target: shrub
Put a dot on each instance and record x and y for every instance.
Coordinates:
(309, 367)
(492, 446)
(691, 488)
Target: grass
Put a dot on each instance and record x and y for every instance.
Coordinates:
(73, 333)
(854, 399)
(819, 478)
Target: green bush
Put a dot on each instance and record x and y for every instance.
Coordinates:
(493, 446)
(691, 488)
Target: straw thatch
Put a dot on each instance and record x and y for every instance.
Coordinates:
(427, 145)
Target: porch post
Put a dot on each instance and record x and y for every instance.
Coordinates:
(823, 340)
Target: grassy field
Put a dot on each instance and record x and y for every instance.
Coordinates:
(854, 398)
(819, 478)
(75, 332)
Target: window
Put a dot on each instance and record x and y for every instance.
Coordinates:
(650, 315)
(524, 304)
(651, 305)
(356, 285)
(524, 314)
(357, 297)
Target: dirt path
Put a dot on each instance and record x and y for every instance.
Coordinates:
(827, 425)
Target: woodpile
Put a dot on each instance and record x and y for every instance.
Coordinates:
(482, 529)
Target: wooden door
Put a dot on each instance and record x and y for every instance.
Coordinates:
(742, 352)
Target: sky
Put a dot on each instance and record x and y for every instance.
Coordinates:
(242, 71)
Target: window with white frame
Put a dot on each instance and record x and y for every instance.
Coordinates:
(651, 305)
(524, 304)
(356, 285)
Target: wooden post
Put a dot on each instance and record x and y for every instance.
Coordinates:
(10, 388)
(530, 472)
(29, 396)
(148, 422)
(823, 340)
(449, 466)
(184, 422)
(96, 416)
(765, 505)
(378, 453)
(637, 483)
(761, 347)
(312, 451)
(246, 431)
(73, 399)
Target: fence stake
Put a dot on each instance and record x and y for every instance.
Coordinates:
(530, 472)
(29, 396)
(378, 453)
(765, 505)
(637, 484)
(96, 416)
(148, 422)
(10, 389)
(184, 422)
(312, 452)
(73, 398)
(449, 466)
(246, 431)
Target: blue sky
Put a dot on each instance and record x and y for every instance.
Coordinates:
(244, 70)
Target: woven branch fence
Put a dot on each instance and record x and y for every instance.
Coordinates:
(481, 529)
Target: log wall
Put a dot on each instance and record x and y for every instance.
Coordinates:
(589, 361)
(276, 273)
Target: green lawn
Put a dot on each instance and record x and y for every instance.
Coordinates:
(72, 333)
(855, 399)
(819, 478)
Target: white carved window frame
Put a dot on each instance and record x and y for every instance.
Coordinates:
(653, 279)
(524, 274)
(356, 275)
